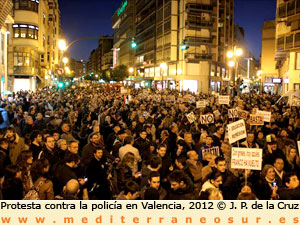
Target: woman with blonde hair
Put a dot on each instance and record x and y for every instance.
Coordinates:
(292, 159)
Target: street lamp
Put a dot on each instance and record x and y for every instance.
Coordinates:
(233, 56)
(65, 60)
(130, 70)
(62, 45)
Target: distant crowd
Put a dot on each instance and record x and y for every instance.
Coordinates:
(99, 143)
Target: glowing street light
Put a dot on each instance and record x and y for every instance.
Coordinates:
(130, 70)
(62, 45)
(164, 66)
(230, 54)
(231, 63)
(65, 60)
(239, 52)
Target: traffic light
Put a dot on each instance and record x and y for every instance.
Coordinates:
(133, 44)
(184, 45)
(60, 84)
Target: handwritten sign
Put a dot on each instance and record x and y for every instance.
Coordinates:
(236, 131)
(212, 150)
(256, 120)
(201, 104)
(224, 99)
(207, 119)
(217, 113)
(267, 115)
(233, 113)
(191, 117)
(243, 114)
(246, 158)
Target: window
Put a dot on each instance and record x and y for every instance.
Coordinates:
(22, 59)
(25, 31)
(42, 58)
(296, 86)
(31, 5)
(297, 63)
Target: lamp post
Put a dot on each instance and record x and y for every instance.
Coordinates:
(233, 61)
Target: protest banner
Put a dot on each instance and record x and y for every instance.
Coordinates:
(212, 150)
(201, 104)
(191, 117)
(217, 113)
(207, 119)
(233, 113)
(237, 131)
(224, 99)
(267, 115)
(246, 158)
(243, 114)
(256, 120)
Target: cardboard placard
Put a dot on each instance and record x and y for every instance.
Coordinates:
(217, 113)
(267, 115)
(237, 131)
(201, 104)
(256, 120)
(233, 113)
(243, 114)
(191, 117)
(213, 150)
(207, 119)
(246, 158)
(224, 99)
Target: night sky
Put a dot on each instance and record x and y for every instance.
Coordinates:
(82, 18)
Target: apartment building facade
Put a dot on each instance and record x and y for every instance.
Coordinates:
(33, 53)
(162, 26)
(6, 18)
(287, 47)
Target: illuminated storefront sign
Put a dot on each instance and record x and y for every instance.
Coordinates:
(122, 8)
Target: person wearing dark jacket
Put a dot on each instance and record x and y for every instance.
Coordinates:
(230, 183)
(97, 183)
(142, 143)
(272, 152)
(292, 188)
(4, 156)
(181, 187)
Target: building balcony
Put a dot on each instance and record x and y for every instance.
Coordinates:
(196, 41)
(25, 70)
(197, 57)
(288, 42)
(198, 24)
(288, 9)
(198, 8)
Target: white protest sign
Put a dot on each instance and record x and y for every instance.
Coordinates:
(201, 104)
(243, 114)
(191, 117)
(217, 113)
(212, 150)
(246, 158)
(236, 131)
(233, 113)
(123, 90)
(207, 119)
(224, 99)
(192, 99)
(256, 120)
(267, 115)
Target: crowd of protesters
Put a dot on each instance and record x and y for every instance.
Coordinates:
(95, 142)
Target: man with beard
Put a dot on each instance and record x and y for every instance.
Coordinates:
(181, 187)
(97, 176)
(154, 182)
(49, 151)
(16, 144)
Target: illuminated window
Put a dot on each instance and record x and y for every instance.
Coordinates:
(30, 5)
(25, 31)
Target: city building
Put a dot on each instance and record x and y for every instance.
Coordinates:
(123, 24)
(287, 44)
(268, 63)
(33, 53)
(101, 58)
(180, 44)
(78, 67)
(6, 17)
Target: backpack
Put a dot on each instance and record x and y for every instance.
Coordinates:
(33, 193)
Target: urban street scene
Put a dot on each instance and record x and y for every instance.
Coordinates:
(149, 99)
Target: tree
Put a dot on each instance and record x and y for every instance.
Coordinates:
(119, 73)
(106, 75)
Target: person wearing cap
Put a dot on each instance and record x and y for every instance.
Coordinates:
(118, 143)
(271, 152)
